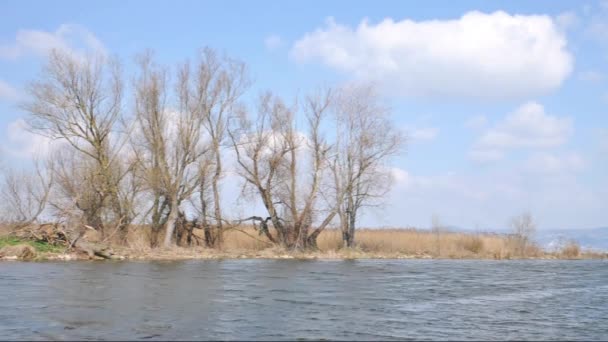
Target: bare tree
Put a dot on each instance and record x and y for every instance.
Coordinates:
(214, 93)
(75, 199)
(523, 227)
(205, 197)
(269, 151)
(366, 139)
(150, 139)
(25, 194)
(437, 229)
(171, 145)
(80, 101)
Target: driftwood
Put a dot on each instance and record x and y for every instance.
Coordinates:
(96, 250)
(49, 233)
(56, 234)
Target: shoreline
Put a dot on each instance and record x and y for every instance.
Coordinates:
(388, 244)
(179, 254)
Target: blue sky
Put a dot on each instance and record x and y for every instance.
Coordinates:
(504, 102)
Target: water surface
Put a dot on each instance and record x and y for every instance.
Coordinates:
(289, 299)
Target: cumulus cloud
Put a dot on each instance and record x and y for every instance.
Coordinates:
(401, 177)
(71, 38)
(7, 92)
(552, 164)
(549, 184)
(527, 127)
(479, 55)
(273, 41)
(22, 143)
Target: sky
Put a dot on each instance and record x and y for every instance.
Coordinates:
(504, 103)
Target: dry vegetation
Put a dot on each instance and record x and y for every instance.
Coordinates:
(246, 242)
(371, 243)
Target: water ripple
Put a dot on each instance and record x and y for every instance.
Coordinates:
(312, 300)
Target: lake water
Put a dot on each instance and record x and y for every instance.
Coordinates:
(289, 299)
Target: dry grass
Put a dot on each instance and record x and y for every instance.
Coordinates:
(245, 242)
(387, 242)
(571, 250)
(439, 245)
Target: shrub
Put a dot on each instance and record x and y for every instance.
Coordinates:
(571, 249)
(472, 244)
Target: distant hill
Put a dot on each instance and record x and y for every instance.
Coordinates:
(594, 238)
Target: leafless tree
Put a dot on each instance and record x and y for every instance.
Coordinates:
(168, 143)
(184, 123)
(79, 100)
(269, 150)
(523, 228)
(149, 140)
(24, 194)
(437, 229)
(214, 92)
(366, 140)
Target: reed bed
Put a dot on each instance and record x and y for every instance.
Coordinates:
(245, 241)
(389, 241)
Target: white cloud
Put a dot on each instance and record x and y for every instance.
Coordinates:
(547, 163)
(71, 38)
(424, 134)
(401, 177)
(24, 144)
(7, 92)
(273, 41)
(527, 127)
(550, 185)
(479, 55)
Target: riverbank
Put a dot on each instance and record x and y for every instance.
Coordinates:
(24, 252)
(245, 243)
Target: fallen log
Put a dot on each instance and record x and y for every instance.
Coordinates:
(96, 250)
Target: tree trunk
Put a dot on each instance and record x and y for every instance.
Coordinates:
(156, 225)
(348, 226)
(154, 236)
(345, 237)
(352, 217)
(311, 242)
(171, 223)
(218, 238)
(208, 236)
